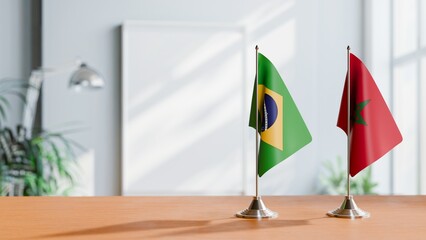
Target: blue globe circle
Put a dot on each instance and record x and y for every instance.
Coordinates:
(269, 112)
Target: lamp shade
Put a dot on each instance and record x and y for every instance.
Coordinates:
(86, 77)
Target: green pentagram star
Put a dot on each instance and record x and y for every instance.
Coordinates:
(358, 108)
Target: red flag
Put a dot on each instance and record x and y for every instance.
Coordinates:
(373, 130)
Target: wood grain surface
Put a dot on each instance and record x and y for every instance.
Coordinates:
(300, 217)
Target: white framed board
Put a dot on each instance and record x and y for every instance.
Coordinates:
(183, 109)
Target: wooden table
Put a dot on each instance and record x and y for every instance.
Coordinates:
(301, 217)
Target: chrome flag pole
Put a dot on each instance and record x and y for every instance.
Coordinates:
(257, 208)
(348, 209)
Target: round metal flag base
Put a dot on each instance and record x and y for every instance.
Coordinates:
(349, 209)
(257, 209)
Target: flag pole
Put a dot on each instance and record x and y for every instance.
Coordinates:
(257, 122)
(348, 149)
(257, 208)
(348, 209)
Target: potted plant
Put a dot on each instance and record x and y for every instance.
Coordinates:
(32, 166)
(334, 182)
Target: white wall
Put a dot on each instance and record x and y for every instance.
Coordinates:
(305, 39)
(15, 47)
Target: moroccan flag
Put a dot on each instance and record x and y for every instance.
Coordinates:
(373, 131)
(281, 127)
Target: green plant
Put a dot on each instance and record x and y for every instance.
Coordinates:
(334, 180)
(38, 165)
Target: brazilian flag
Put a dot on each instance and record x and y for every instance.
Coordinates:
(280, 125)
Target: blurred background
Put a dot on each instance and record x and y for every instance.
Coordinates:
(172, 117)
